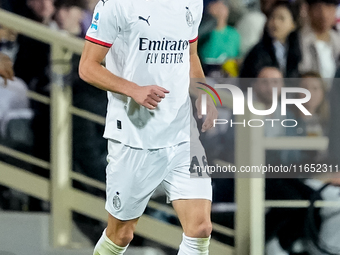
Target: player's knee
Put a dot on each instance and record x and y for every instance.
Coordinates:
(121, 237)
(201, 230)
(205, 229)
(125, 237)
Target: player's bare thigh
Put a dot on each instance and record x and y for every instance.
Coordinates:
(120, 232)
(194, 215)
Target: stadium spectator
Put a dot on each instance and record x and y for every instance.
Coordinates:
(292, 189)
(252, 23)
(69, 16)
(91, 4)
(219, 143)
(8, 43)
(14, 133)
(223, 42)
(89, 154)
(14, 105)
(267, 6)
(303, 13)
(87, 17)
(318, 104)
(269, 78)
(338, 18)
(250, 28)
(314, 125)
(328, 237)
(42, 10)
(285, 225)
(287, 228)
(282, 225)
(329, 233)
(319, 42)
(32, 65)
(6, 68)
(34, 68)
(279, 46)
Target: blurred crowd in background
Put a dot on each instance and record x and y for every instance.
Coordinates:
(268, 43)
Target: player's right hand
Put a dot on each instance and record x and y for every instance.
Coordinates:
(149, 96)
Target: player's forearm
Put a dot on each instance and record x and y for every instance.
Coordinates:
(196, 75)
(98, 76)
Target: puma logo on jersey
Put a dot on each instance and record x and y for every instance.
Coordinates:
(146, 20)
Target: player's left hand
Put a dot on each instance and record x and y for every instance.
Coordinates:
(211, 113)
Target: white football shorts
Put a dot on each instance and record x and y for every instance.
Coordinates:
(133, 174)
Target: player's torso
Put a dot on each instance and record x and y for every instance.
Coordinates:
(160, 26)
(155, 39)
(152, 48)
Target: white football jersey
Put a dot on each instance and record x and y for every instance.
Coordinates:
(150, 46)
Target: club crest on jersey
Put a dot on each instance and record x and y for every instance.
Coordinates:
(190, 19)
(94, 24)
(116, 201)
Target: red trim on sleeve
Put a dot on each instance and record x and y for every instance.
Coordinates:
(98, 42)
(193, 40)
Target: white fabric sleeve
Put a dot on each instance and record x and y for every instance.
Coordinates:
(107, 23)
(197, 11)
